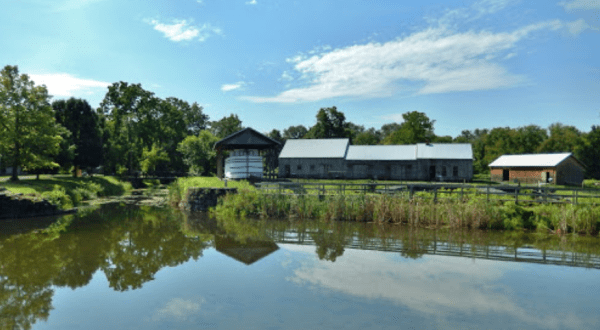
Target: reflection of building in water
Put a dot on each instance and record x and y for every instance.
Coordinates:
(416, 248)
(249, 252)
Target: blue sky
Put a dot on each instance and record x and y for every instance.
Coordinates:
(466, 64)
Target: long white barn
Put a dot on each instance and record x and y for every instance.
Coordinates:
(336, 158)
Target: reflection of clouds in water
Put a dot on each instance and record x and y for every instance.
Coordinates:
(435, 285)
(178, 309)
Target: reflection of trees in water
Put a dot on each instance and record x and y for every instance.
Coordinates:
(128, 244)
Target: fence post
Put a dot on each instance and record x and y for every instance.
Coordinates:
(487, 193)
(575, 199)
(411, 191)
(462, 197)
(435, 195)
(545, 194)
(517, 195)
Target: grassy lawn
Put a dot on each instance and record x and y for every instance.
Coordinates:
(67, 191)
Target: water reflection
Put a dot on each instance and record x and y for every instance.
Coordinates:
(422, 270)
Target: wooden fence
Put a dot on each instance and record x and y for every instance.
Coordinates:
(438, 191)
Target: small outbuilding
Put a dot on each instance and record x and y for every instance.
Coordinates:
(246, 157)
(558, 168)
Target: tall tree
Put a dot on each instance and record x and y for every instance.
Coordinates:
(331, 123)
(367, 137)
(198, 153)
(82, 122)
(562, 139)
(226, 126)
(588, 152)
(294, 132)
(29, 134)
(132, 121)
(416, 128)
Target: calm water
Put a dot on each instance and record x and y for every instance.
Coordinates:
(123, 267)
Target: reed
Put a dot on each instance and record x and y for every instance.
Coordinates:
(421, 211)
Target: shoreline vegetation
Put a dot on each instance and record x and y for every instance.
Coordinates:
(67, 192)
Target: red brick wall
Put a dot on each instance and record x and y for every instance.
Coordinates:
(523, 174)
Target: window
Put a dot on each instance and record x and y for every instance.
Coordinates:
(299, 167)
(444, 171)
(312, 168)
(455, 171)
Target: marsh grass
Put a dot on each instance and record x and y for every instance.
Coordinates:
(421, 211)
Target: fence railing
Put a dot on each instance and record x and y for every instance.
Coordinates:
(440, 191)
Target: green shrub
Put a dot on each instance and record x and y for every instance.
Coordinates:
(59, 197)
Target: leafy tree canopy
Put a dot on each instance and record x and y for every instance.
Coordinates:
(29, 133)
(416, 128)
(331, 123)
(294, 132)
(226, 126)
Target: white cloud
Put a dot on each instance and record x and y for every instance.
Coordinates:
(435, 287)
(179, 309)
(66, 85)
(580, 4)
(577, 26)
(231, 87)
(251, 2)
(182, 30)
(434, 60)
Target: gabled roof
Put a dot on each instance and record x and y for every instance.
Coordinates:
(444, 151)
(388, 152)
(530, 160)
(247, 138)
(315, 148)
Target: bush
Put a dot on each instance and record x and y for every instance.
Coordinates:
(59, 197)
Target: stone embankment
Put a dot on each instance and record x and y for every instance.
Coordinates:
(201, 199)
(14, 206)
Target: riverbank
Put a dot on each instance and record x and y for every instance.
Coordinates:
(420, 211)
(66, 192)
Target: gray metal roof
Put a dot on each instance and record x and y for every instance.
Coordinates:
(390, 152)
(444, 151)
(530, 160)
(315, 148)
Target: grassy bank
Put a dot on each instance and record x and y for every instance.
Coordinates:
(420, 211)
(179, 188)
(67, 192)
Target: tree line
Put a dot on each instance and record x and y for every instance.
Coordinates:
(134, 131)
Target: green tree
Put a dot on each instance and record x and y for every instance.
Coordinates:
(367, 137)
(528, 139)
(153, 158)
(562, 139)
(588, 152)
(83, 146)
(388, 129)
(131, 122)
(294, 132)
(29, 134)
(226, 126)
(275, 134)
(331, 123)
(198, 153)
(416, 128)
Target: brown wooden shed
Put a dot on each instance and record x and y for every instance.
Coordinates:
(559, 168)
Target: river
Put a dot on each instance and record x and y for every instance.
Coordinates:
(133, 267)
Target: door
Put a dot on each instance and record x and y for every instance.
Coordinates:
(505, 175)
(431, 172)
